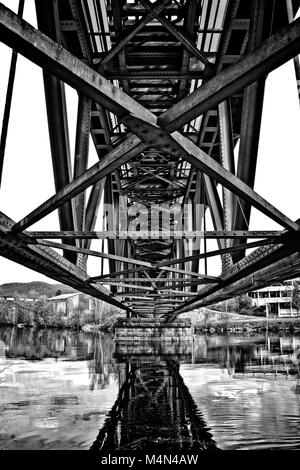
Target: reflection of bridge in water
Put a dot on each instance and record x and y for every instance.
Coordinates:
(154, 408)
(154, 411)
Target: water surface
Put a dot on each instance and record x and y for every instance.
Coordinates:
(68, 390)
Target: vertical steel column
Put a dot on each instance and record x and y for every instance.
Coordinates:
(216, 211)
(290, 14)
(80, 164)
(58, 125)
(188, 226)
(92, 208)
(215, 206)
(82, 152)
(91, 213)
(198, 215)
(227, 160)
(108, 201)
(117, 243)
(188, 28)
(9, 92)
(117, 8)
(205, 243)
(250, 125)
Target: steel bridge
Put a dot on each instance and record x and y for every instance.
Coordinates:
(166, 89)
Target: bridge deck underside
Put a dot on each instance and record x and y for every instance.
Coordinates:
(166, 89)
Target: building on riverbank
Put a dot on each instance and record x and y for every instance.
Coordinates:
(76, 304)
(276, 300)
(85, 308)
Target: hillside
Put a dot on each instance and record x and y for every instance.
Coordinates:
(33, 289)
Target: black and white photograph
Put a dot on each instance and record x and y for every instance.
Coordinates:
(149, 229)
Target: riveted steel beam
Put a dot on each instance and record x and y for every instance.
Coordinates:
(209, 234)
(250, 123)
(57, 123)
(81, 152)
(122, 105)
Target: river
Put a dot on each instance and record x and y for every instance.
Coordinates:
(74, 390)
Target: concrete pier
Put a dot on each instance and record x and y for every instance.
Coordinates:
(152, 330)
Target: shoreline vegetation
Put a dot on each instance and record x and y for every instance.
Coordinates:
(246, 325)
(234, 316)
(40, 315)
(205, 320)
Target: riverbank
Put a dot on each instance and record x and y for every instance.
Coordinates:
(211, 322)
(205, 320)
(41, 315)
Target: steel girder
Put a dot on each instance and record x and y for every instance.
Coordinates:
(58, 125)
(151, 131)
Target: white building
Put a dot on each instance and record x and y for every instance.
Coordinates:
(276, 300)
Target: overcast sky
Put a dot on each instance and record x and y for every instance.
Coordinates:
(28, 178)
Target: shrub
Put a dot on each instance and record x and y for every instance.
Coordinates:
(108, 320)
(16, 312)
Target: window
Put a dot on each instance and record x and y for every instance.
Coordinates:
(263, 295)
(286, 293)
(275, 293)
(285, 305)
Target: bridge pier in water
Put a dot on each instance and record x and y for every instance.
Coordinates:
(151, 331)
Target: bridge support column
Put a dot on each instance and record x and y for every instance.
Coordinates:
(153, 336)
(147, 330)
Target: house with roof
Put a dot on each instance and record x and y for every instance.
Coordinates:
(77, 304)
(276, 300)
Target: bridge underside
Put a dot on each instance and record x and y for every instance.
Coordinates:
(166, 90)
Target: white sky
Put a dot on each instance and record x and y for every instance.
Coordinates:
(28, 177)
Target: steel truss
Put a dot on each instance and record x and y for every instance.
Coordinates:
(165, 90)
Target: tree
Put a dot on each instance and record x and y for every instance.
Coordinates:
(239, 304)
(58, 292)
(244, 303)
(33, 294)
(296, 297)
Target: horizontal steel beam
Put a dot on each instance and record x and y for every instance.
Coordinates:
(44, 52)
(130, 296)
(155, 75)
(209, 234)
(213, 279)
(64, 246)
(120, 284)
(159, 281)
